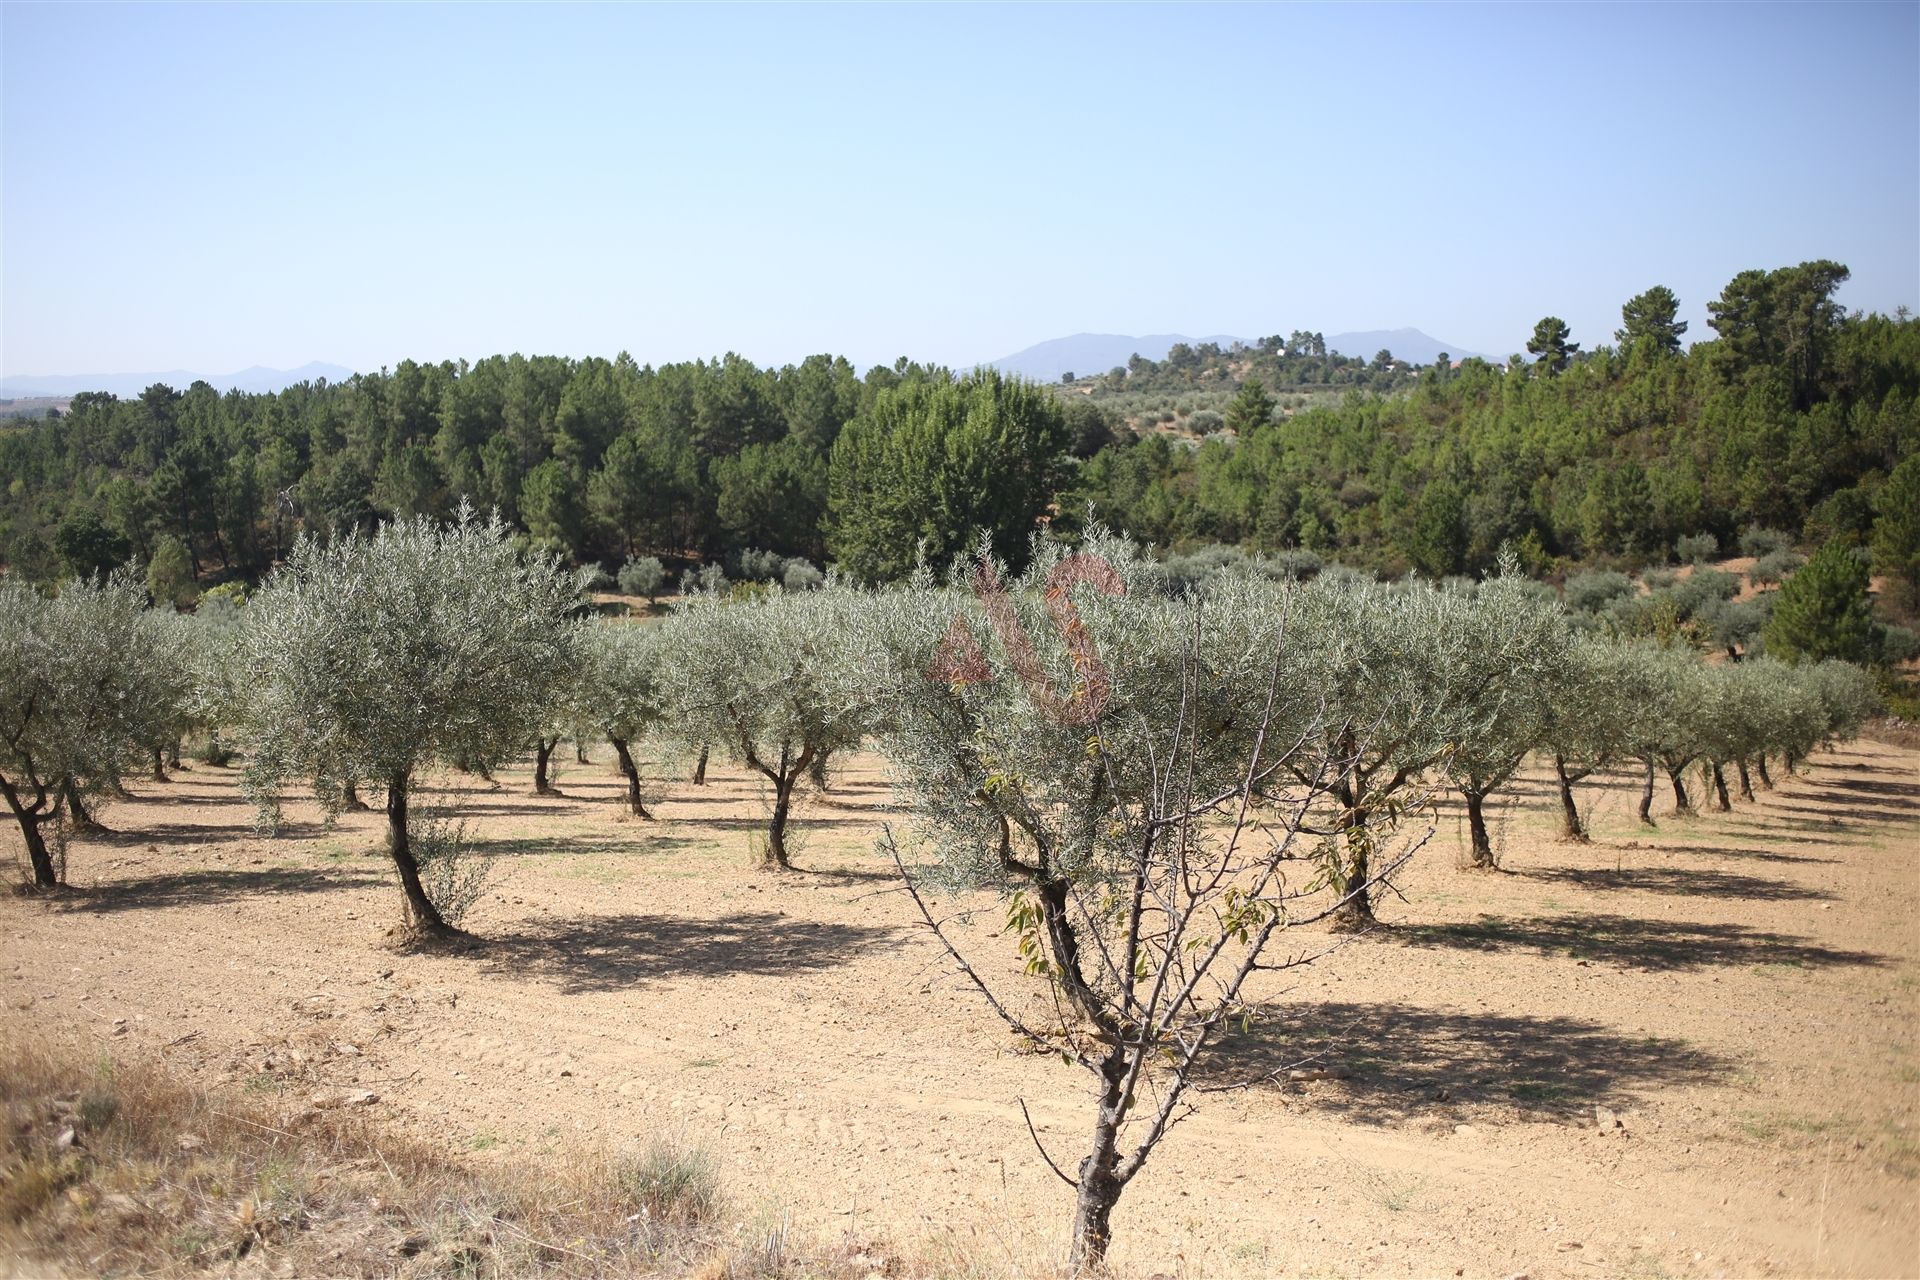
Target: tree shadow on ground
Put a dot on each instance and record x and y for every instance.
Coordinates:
(212, 888)
(1392, 1061)
(1725, 851)
(1681, 880)
(621, 952)
(194, 833)
(1903, 795)
(1627, 940)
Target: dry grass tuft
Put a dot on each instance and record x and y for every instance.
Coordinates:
(113, 1167)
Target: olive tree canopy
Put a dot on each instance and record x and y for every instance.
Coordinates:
(370, 658)
(80, 697)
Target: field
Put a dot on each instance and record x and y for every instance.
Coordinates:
(1680, 1052)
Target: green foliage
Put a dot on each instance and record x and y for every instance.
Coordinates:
(170, 573)
(1550, 346)
(934, 462)
(371, 657)
(1896, 532)
(1823, 612)
(642, 576)
(92, 679)
(1251, 409)
(1696, 548)
(1651, 319)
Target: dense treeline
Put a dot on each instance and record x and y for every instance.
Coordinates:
(1795, 417)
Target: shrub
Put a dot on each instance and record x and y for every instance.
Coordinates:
(1592, 592)
(704, 580)
(1760, 543)
(760, 566)
(1694, 548)
(1775, 566)
(800, 574)
(642, 577)
(671, 1181)
(452, 870)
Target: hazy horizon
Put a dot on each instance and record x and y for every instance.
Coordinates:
(214, 189)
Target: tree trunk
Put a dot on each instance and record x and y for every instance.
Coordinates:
(1786, 759)
(159, 767)
(423, 916)
(1355, 913)
(700, 769)
(1746, 783)
(632, 774)
(30, 820)
(82, 818)
(817, 771)
(776, 855)
(1477, 830)
(580, 751)
(1646, 798)
(1571, 828)
(542, 754)
(1100, 1185)
(1721, 801)
(1681, 804)
(1766, 779)
(350, 800)
(173, 748)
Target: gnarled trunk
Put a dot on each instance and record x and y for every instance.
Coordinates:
(422, 915)
(77, 812)
(1760, 767)
(1355, 912)
(1477, 830)
(350, 799)
(30, 817)
(1571, 828)
(700, 768)
(1721, 800)
(1100, 1184)
(542, 755)
(776, 855)
(1646, 797)
(1746, 783)
(1681, 804)
(159, 773)
(631, 773)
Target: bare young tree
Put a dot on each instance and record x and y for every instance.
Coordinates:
(1137, 788)
(373, 657)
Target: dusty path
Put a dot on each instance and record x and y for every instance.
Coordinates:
(1739, 990)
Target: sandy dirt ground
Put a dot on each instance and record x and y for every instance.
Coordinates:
(1737, 992)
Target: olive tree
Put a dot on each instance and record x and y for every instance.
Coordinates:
(1506, 646)
(1124, 769)
(1366, 650)
(373, 657)
(625, 693)
(777, 682)
(76, 708)
(1591, 717)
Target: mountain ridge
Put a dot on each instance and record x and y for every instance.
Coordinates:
(1090, 353)
(256, 378)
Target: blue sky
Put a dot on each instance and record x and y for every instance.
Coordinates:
(219, 186)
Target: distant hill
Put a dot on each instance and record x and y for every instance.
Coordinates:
(1091, 353)
(1410, 345)
(125, 385)
(1086, 353)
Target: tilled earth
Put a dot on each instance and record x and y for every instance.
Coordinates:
(1688, 1051)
